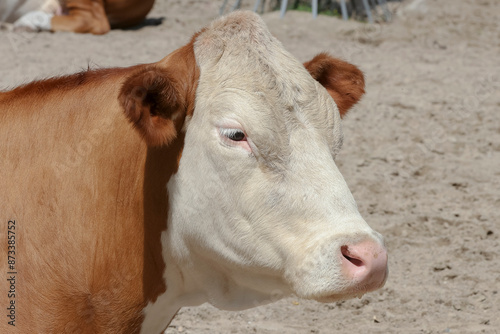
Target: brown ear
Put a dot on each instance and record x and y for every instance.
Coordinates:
(344, 81)
(157, 98)
(154, 104)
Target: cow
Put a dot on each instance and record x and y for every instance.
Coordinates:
(208, 176)
(80, 16)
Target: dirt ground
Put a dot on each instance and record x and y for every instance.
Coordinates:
(421, 154)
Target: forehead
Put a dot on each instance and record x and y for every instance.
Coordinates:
(242, 65)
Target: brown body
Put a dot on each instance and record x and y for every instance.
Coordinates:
(88, 199)
(98, 16)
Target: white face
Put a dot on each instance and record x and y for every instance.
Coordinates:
(259, 209)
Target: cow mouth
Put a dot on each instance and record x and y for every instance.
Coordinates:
(340, 296)
(355, 291)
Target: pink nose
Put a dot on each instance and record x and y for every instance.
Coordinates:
(365, 264)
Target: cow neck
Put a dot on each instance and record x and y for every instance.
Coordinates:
(161, 163)
(160, 278)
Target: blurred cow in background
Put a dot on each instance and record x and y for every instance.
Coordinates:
(82, 16)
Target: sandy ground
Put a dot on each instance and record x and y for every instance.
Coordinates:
(421, 155)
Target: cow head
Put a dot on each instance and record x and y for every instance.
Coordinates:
(258, 207)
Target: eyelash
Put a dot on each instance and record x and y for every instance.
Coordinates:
(233, 134)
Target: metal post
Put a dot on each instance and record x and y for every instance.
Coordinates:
(387, 13)
(236, 5)
(368, 11)
(315, 8)
(221, 10)
(284, 4)
(343, 9)
(256, 6)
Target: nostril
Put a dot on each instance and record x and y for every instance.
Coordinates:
(364, 264)
(349, 256)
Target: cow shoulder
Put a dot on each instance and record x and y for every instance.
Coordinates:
(343, 81)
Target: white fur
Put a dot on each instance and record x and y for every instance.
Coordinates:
(35, 21)
(12, 10)
(283, 210)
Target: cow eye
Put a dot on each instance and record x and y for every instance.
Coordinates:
(233, 134)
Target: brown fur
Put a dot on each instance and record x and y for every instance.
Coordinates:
(344, 81)
(88, 196)
(98, 16)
